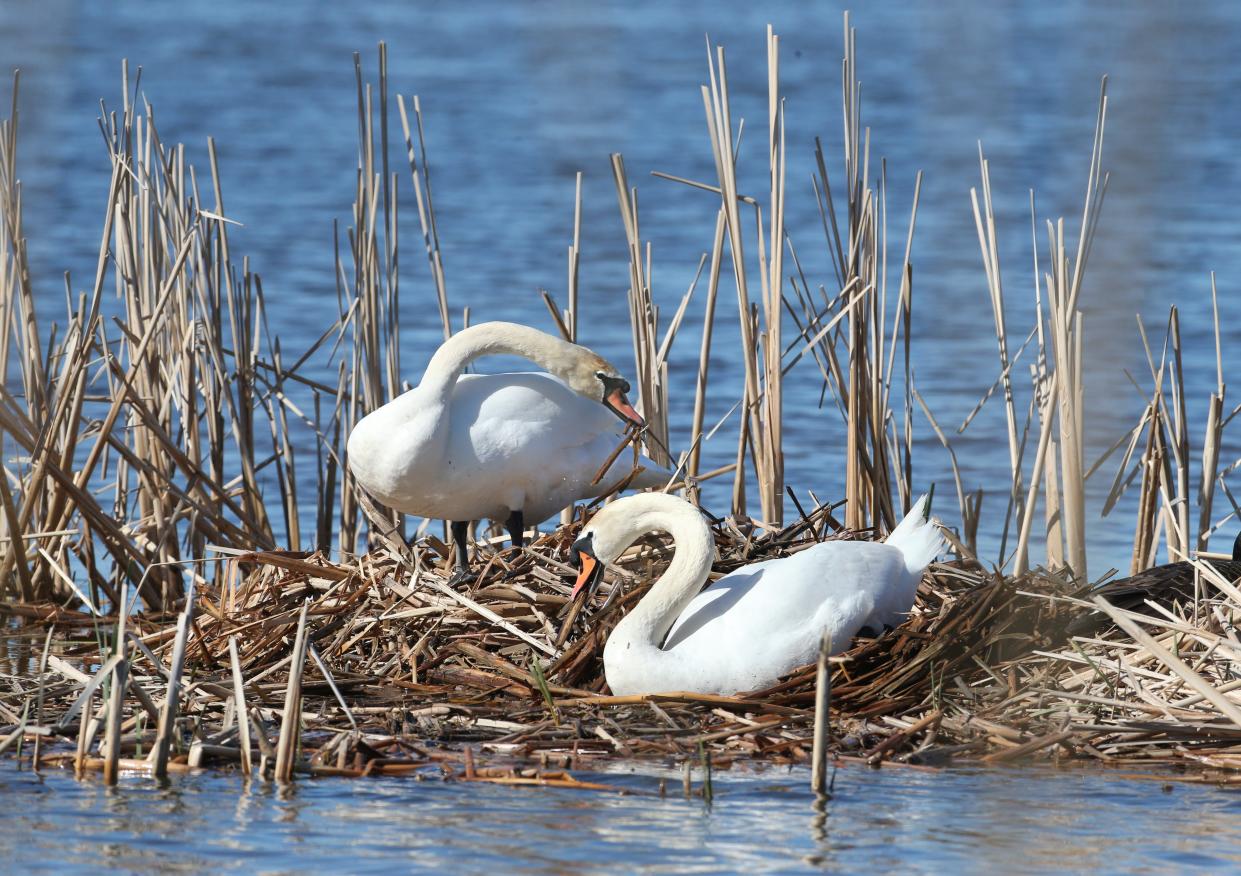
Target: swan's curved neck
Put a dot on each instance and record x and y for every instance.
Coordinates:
(694, 552)
(489, 338)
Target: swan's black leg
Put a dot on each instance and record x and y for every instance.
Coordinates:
(870, 632)
(461, 557)
(516, 526)
(460, 538)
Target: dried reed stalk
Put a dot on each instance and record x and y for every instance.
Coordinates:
(878, 477)
(761, 346)
(239, 706)
(1057, 396)
(291, 719)
(116, 699)
(822, 719)
(984, 220)
(650, 356)
(168, 714)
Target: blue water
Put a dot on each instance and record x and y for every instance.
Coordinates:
(517, 98)
(965, 821)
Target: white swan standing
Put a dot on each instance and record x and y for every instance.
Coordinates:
(756, 623)
(514, 447)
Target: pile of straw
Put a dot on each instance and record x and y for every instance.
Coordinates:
(304, 666)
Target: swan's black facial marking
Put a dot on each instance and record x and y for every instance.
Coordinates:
(584, 545)
(612, 383)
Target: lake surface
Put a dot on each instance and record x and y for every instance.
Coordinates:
(1022, 820)
(517, 98)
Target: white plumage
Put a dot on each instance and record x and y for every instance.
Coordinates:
(465, 447)
(504, 442)
(758, 622)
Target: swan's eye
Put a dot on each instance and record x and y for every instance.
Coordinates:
(612, 383)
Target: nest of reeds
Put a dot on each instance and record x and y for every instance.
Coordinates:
(378, 666)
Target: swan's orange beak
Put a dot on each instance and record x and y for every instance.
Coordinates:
(590, 567)
(622, 408)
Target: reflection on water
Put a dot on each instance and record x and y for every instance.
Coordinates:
(1010, 820)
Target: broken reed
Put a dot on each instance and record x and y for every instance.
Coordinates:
(134, 437)
(1058, 469)
(852, 336)
(133, 442)
(1162, 469)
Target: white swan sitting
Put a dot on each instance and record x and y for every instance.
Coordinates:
(756, 623)
(514, 447)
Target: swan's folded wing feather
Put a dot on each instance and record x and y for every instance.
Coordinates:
(524, 407)
(525, 440)
(768, 617)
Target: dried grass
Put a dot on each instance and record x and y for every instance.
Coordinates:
(406, 676)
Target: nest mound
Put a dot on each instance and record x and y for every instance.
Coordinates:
(388, 669)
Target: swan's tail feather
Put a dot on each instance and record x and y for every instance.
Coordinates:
(917, 538)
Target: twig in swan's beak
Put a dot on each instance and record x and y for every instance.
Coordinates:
(630, 435)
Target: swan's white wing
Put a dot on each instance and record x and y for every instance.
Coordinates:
(764, 619)
(500, 412)
(519, 440)
(524, 440)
